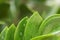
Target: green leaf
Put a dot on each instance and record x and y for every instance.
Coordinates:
(43, 37)
(50, 24)
(3, 33)
(32, 26)
(51, 36)
(20, 29)
(10, 33)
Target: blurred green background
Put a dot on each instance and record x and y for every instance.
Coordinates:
(12, 11)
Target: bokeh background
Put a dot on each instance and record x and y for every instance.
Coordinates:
(12, 11)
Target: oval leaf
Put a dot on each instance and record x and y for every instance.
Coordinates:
(49, 25)
(10, 33)
(3, 33)
(32, 26)
(20, 29)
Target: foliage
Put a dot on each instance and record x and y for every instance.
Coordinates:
(42, 25)
(34, 28)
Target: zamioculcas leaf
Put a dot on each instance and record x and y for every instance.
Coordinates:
(32, 26)
(10, 33)
(20, 29)
(49, 25)
(51, 36)
(3, 33)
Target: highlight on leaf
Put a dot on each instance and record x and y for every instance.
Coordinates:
(51, 36)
